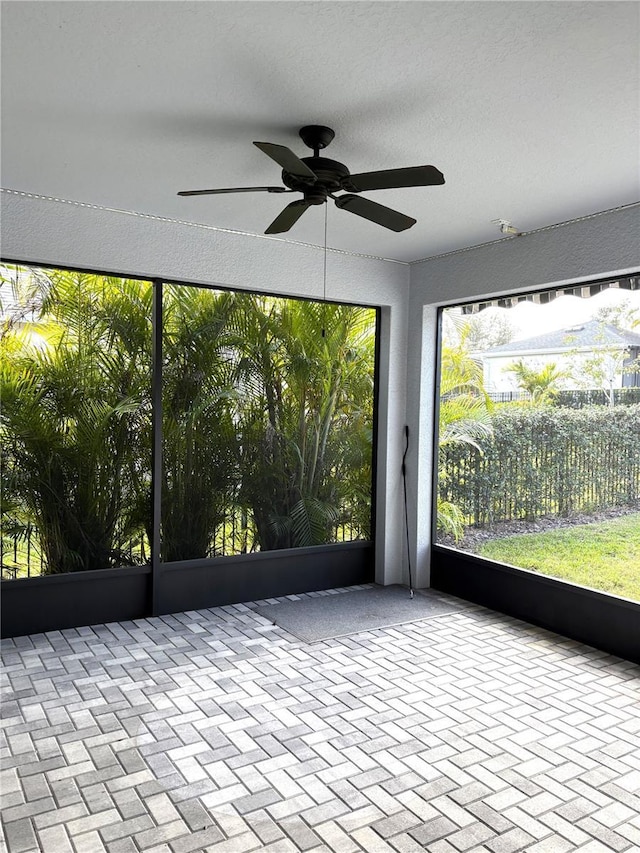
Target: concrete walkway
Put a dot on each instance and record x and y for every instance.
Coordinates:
(215, 730)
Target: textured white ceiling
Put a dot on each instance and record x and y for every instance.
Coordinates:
(530, 109)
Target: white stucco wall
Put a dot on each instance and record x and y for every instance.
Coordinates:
(38, 230)
(594, 247)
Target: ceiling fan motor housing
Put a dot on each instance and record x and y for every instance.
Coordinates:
(329, 173)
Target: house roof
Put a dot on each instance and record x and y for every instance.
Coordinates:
(590, 335)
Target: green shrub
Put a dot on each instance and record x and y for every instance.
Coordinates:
(546, 461)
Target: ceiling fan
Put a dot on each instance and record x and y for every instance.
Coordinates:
(319, 178)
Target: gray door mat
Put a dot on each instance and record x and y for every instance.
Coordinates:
(325, 617)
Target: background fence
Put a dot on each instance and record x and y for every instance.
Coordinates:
(573, 399)
(21, 554)
(540, 462)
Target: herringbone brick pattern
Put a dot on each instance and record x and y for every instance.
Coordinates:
(217, 731)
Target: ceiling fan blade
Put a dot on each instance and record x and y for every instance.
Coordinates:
(389, 179)
(285, 158)
(288, 217)
(375, 212)
(237, 190)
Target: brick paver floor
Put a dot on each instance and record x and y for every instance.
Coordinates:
(217, 731)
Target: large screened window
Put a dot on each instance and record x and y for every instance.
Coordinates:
(267, 422)
(75, 352)
(265, 419)
(539, 433)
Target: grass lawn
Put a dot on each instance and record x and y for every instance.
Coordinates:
(604, 555)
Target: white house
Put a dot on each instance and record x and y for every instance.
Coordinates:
(590, 355)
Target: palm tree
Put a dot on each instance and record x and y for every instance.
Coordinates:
(200, 447)
(75, 386)
(464, 419)
(305, 376)
(267, 419)
(542, 384)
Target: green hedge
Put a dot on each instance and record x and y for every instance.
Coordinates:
(548, 461)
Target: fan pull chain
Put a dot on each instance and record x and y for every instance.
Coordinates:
(324, 273)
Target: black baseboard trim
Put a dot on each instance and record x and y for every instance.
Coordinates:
(228, 580)
(603, 621)
(54, 602)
